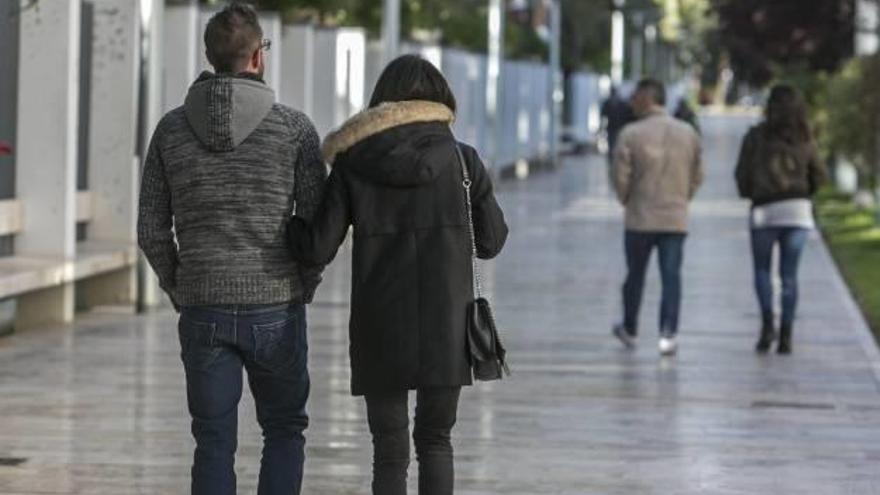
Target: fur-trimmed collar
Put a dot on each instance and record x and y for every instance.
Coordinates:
(385, 116)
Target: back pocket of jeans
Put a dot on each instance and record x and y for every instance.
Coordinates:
(197, 349)
(279, 344)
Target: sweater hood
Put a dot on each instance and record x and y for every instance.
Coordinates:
(405, 143)
(223, 110)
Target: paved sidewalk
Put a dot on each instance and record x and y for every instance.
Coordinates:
(99, 408)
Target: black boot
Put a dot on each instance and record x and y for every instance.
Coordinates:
(784, 340)
(768, 335)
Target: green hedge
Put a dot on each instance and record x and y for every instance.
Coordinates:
(853, 236)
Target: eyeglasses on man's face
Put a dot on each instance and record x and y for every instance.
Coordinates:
(266, 45)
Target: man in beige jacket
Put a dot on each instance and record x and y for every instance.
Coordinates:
(656, 171)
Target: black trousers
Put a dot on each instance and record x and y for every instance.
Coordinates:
(388, 416)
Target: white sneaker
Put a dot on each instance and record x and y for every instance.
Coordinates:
(668, 345)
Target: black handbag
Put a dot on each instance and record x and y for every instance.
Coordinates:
(487, 353)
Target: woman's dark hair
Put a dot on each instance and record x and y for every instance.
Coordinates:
(410, 77)
(786, 115)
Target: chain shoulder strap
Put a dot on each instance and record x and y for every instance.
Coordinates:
(291, 127)
(466, 183)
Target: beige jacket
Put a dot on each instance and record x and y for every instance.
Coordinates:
(657, 170)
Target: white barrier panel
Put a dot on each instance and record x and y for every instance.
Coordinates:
(338, 84)
(583, 99)
(271, 24)
(466, 74)
(525, 112)
(372, 68)
(181, 49)
(297, 71)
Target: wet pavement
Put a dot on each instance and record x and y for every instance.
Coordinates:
(99, 408)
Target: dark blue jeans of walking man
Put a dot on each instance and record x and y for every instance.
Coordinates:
(670, 250)
(269, 342)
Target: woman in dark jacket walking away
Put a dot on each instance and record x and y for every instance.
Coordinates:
(397, 181)
(779, 170)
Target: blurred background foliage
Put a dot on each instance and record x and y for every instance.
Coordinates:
(586, 25)
(456, 23)
(766, 39)
(849, 116)
(735, 49)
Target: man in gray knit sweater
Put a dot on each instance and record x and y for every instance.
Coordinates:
(222, 176)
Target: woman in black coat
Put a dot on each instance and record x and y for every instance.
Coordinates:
(397, 181)
(779, 170)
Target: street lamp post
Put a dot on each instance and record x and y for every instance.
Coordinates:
(637, 46)
(493, 76)
(556, 89)
(618, 32)
(650, 63)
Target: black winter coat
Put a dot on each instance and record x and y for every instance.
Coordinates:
(396, 179)
(770, 169)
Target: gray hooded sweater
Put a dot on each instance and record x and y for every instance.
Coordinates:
(221, 179)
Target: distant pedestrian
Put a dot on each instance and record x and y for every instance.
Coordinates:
(657, 170)
(616, 113)
(779, 169)
(397, 181)
(685, 113)
(222, 174)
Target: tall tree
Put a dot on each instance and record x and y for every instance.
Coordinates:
(690, 25)
(764, 38)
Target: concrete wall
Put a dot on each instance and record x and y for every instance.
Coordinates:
(48, 98)
(114, 96)
(77, 90)
(47, 127)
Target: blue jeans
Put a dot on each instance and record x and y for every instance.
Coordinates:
(270, 343)
(791, 241)
(670, 248)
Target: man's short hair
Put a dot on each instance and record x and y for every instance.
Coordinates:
(655, 88)
(231, 37)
